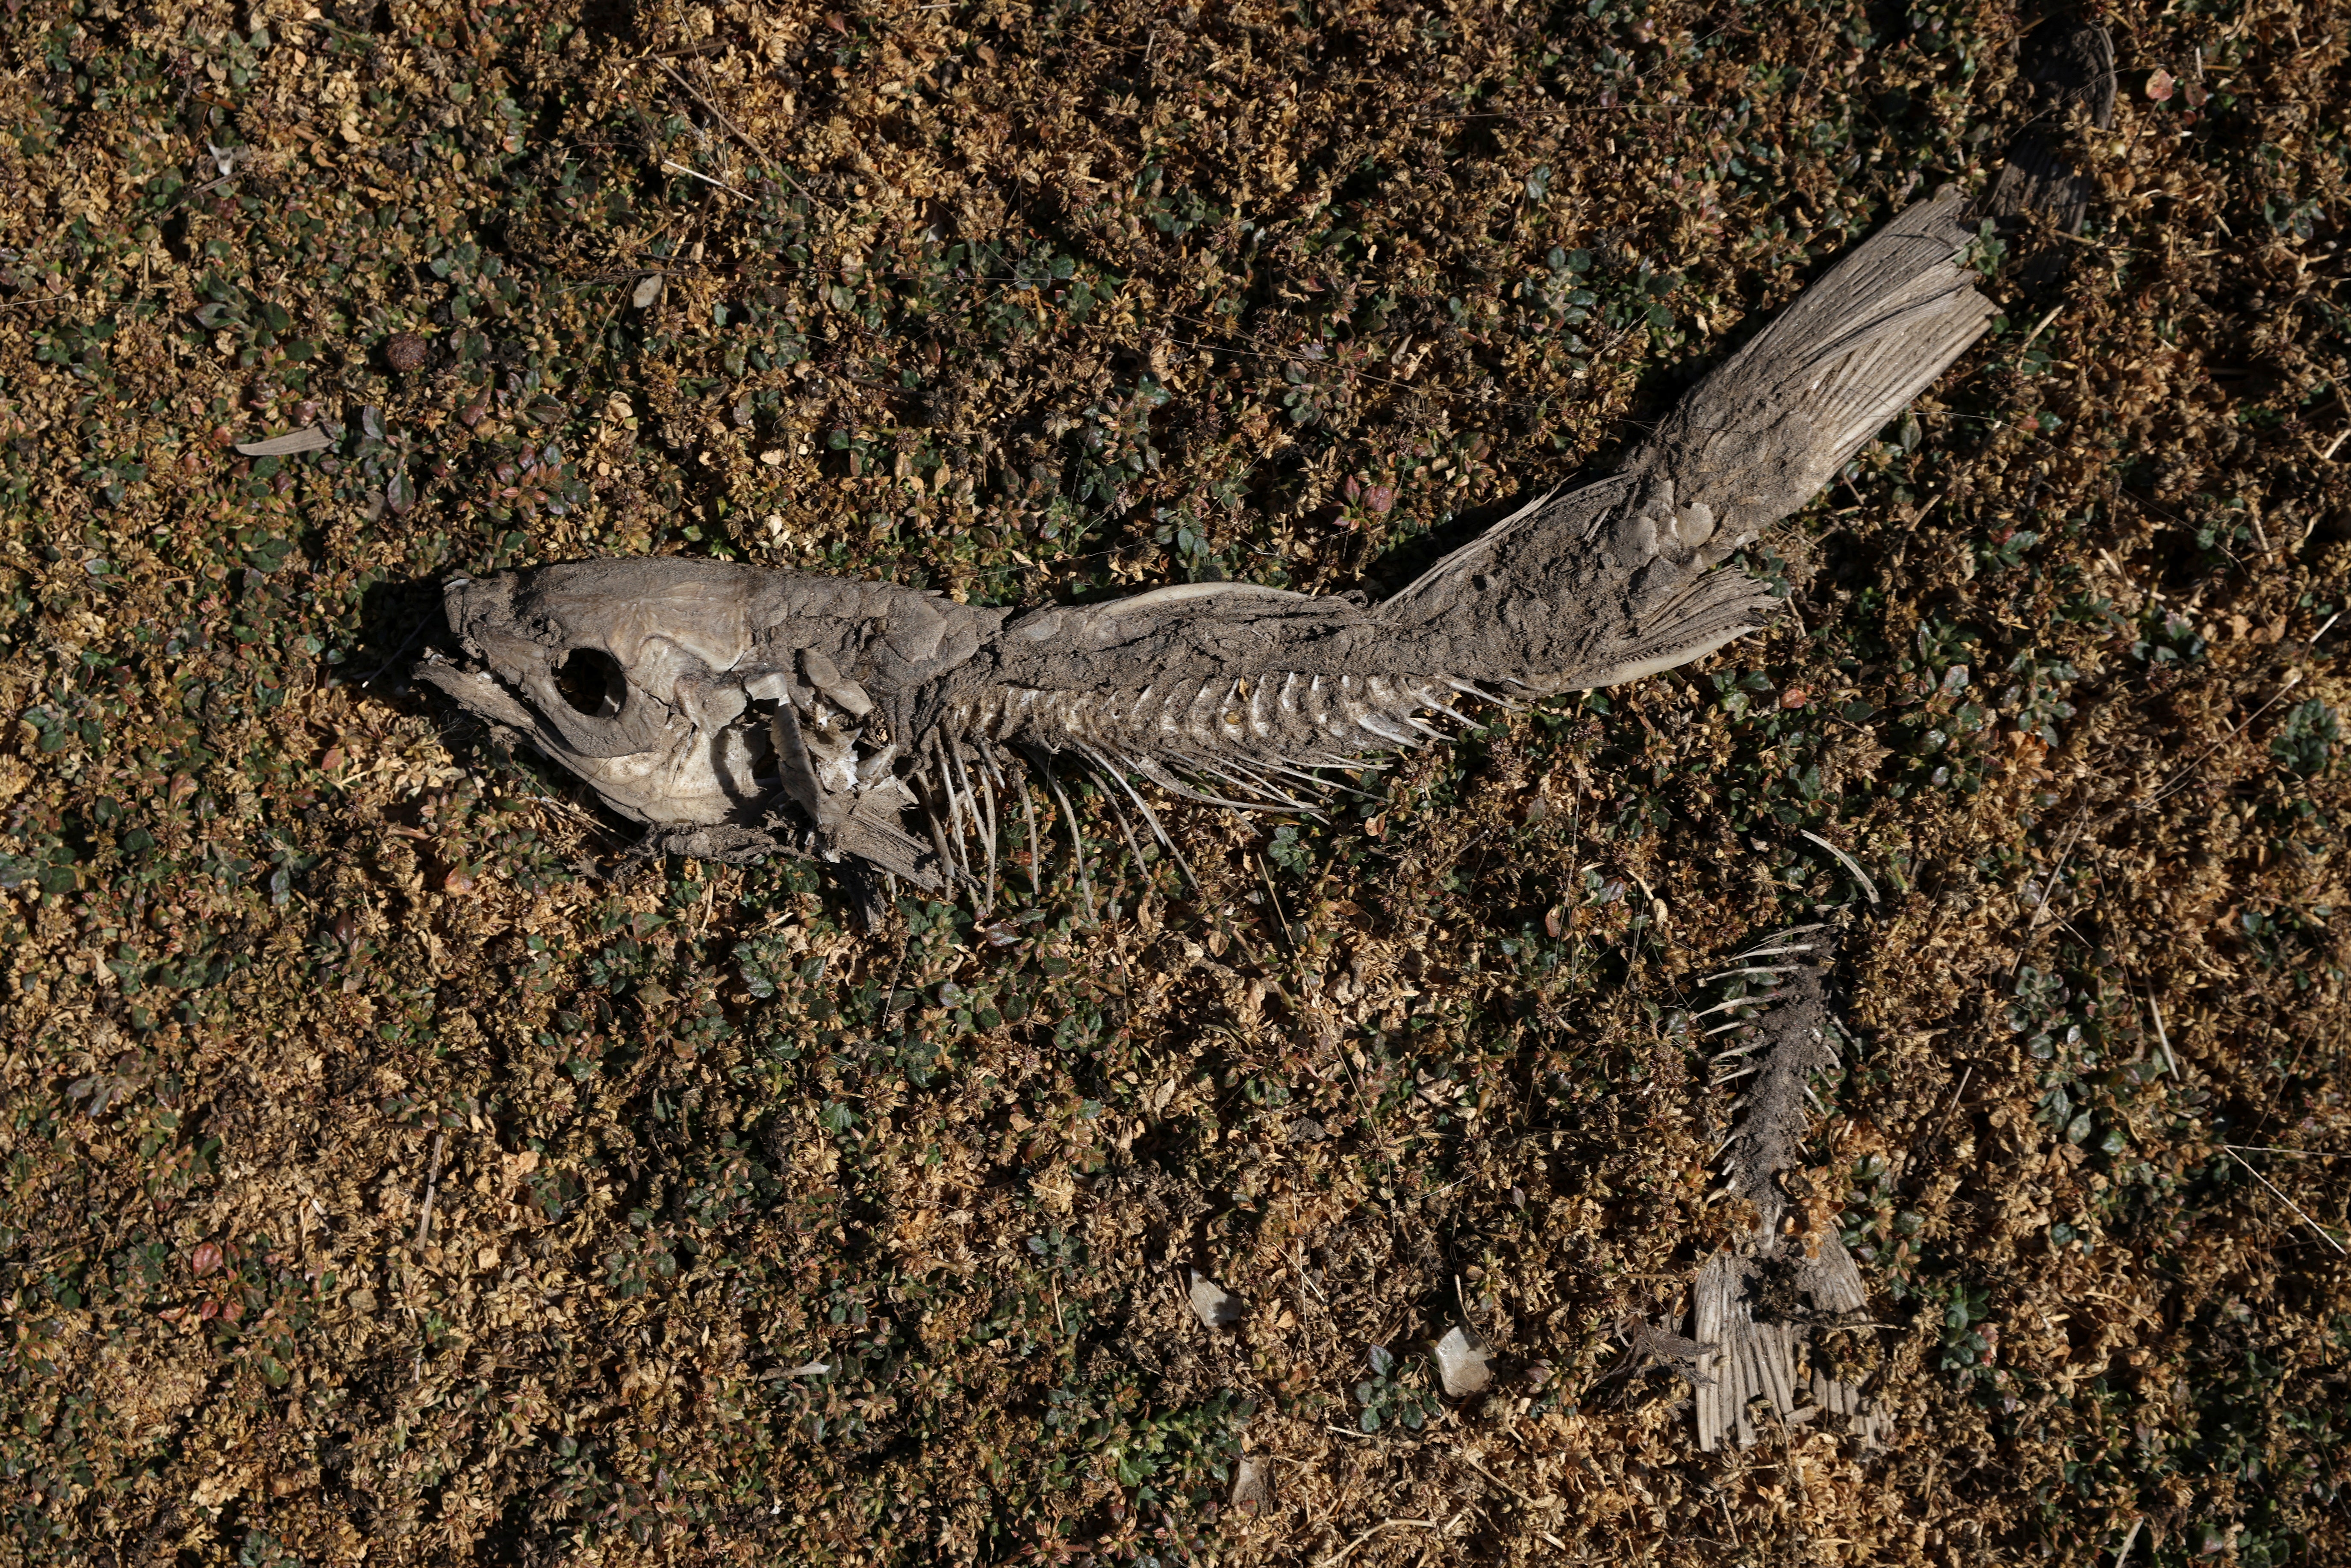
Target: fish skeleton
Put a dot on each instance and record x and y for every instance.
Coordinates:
(741, 711)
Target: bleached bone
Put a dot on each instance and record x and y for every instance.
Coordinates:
(1580, 589)
(1748, 1359)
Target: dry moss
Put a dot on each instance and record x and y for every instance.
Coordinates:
(1033, 301)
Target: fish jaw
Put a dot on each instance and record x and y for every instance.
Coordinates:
(701, 778)
(710, 694)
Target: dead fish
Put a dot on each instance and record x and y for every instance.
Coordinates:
(741, 711)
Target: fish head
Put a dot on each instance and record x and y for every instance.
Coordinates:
(702, 692)
(630, 673)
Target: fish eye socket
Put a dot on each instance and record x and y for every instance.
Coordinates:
(591, 681)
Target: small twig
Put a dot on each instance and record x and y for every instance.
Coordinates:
(1463, 1455)
(2267, 1149)
(736, 130)
(2287, 1201)
(677, 167)
(44, 1261)
(716, 113)
(1851, 864)
(2055, 311)
(2180, 778)
(1309, 1279)
(1343, 1553)
(1257, 354)
(2049, 888)
(398, 652)
(1562, 113)
(432, 1182)
(1275, 900)
(1936, 1130)
(890, 988)
(425, 1228)
(2162, 1037)
(2122, 1552)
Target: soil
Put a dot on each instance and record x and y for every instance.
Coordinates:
(400, 1168)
